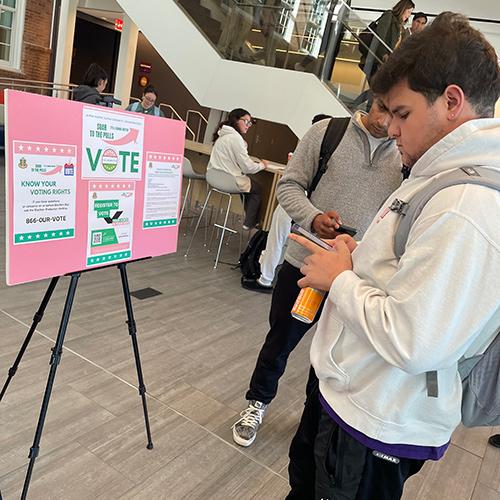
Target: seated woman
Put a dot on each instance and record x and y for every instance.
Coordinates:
(230, 155)
(94, 82)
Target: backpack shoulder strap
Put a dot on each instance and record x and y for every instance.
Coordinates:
(411, 210)
(333, 135)
(157, 111)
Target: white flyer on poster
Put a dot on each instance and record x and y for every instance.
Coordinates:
(112, 144)
(110, 222)
(45, 191)
(162, 189)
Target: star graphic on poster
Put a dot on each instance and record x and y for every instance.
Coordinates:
(21, 148)
(45, 148)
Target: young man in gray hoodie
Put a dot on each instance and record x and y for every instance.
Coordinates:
(363, 170)
(390, 326)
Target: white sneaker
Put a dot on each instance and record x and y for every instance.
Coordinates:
(245, 429)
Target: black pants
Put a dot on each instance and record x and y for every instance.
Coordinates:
(284, 334)
(251, 203)
(326, 463)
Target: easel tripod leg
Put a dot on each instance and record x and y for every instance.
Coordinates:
(54, 362)
(36, 319)
(132, 330)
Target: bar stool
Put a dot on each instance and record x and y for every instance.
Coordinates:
(191, 176)
(224, 184)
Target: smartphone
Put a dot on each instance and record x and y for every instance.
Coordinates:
(311, 237)
(346, 230)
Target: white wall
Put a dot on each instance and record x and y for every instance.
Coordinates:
(281, 96)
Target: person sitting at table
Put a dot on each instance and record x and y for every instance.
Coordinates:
(95, 81)
(230, 155)
(147, 104)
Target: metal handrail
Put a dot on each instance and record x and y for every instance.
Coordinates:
(374, 33)
(38, 87)
(201, 118)
(23, 80)
(26, 85)
(178, 117)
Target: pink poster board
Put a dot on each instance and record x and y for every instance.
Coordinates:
(87, 186)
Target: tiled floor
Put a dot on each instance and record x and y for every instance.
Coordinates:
(198, 342)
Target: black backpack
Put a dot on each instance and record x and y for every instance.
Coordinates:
(249, 259)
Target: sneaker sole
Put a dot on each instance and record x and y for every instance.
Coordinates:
(242, 442)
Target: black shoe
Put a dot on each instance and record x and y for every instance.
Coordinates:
(495, 440)
(252, 284)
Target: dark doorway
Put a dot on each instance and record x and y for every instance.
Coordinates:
(97, 42)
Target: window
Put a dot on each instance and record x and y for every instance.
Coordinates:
(11, 33)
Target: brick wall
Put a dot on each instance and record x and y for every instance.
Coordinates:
(36, 52)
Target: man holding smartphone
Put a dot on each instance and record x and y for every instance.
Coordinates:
(362, 171)
(393, 329)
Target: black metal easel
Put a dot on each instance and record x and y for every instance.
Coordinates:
(56, 355)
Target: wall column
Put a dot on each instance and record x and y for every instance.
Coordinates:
(126, 60)
(64, 48)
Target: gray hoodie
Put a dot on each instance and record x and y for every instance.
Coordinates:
(355, 184)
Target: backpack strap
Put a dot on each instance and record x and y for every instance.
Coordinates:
(157, 111)
(409, 212)
(333, 135)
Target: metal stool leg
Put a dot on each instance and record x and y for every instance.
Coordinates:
(198, 223)
(223, 231)
(186, 194)
(190, 208)
(208, 220)
(215, 222)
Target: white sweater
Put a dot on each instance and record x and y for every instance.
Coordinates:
(230, 155)
(386, 323)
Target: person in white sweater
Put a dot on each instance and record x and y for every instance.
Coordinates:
(230, 154)
(370, 423)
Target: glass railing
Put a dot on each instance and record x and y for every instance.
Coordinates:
(315, 36)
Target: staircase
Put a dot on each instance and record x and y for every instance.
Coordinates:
(202, 16)
(186, 35)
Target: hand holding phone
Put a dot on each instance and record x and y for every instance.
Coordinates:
(326, 224)
(346, 230)
(296, 229)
